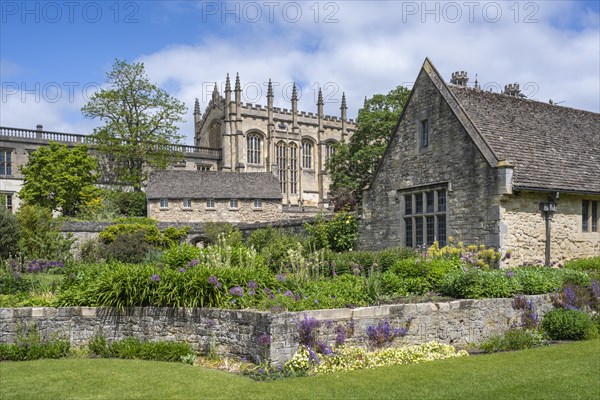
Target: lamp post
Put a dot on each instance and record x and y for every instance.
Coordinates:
(548, 208)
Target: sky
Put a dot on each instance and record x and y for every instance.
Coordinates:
(55, 54)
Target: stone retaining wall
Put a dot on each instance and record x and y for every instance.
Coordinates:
(236, 332)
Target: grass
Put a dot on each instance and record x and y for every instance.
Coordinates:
(565, 371)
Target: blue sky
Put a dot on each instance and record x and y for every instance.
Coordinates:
(53, 54)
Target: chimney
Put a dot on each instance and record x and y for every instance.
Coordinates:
(39, 127)
(512, 89)
(459, 78)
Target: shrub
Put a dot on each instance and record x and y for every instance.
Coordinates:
(30, 346)
(91, 251)
(432, 270)
(131, 204)
(151, 235)
(564, 324)
(9, 233)
(129, 247)
(476, 284)
(40, 236)
(338, 234)
(589, 265)
(216, 230)
(181, 255)
(513, 339)
(133, 348)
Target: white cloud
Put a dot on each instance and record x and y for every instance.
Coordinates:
(376, 46)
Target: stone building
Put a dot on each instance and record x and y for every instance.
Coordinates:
(291, 144)
(487, 168)
(16, 144)
(229, 137)
(209, 196)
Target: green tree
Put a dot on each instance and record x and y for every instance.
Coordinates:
(60, 178)
(353, 165)
(139, 123)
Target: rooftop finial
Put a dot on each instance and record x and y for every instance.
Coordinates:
(227, 84)
(270, 89)
(196, 106)
(320, 99)
(238, 87)
(294, 93)
(344, 101)
(476, 84)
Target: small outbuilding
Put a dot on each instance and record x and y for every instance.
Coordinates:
(211, 196)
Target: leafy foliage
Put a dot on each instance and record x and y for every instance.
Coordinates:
(40, 236)
(353, 165)
(60, 178)
(140, 123)
(565, 324)
(134, 348)
(513, 339)
(9, 233)
(30, 346)
(338, 234)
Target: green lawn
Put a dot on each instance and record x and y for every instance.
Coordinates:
(565, 371)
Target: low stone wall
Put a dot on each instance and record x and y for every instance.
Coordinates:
(236, 332)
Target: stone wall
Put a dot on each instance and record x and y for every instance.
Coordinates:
(236, 332)
(450, 161)
(524, 229)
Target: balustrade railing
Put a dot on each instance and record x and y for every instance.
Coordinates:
(78, 138)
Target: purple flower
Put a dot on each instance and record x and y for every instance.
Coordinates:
(182, 270)
(251, 292)
(237, 291)
(316, 301)
(280, 277)
(213, 280)
(307, 331)
(340, 337)
(155, 278)
(510, 273)
(193, 262)
(267, 291)
(252, 285)
(288, 293)
(264, 340)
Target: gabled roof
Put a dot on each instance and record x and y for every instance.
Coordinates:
(213, 185)
(551, 147)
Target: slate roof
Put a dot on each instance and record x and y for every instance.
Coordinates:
(551, 147)
(213, 185)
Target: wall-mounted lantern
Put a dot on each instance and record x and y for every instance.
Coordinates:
(549, 208)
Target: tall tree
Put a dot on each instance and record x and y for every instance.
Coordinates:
(59, 178)
(353, 165)
(139, 123)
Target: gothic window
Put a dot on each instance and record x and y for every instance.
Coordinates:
(5, 162)
(281, 159)
(254, 144)
(329, 150)
(293, 168)
(307, 154)
(425, 217)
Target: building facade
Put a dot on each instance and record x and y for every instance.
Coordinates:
(214, 196)
(487, 168)
(293, 145)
